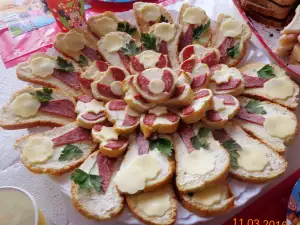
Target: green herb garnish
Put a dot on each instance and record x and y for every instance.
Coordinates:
(232, 147)
(200, 30)
(253, 106)
(64, 65)
(70, 152)
(131, 49)
(200, 140)
(266, 72)
(149, 41)
(234, 51)
(83, 60)
(125, 27)
(164, 145)
(163, 19)
(43, 95)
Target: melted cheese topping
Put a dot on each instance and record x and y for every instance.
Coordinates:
(117, 88)
(221, 76)
(279, 88)
(194, 15)
(148, 164)
(156, 86)
(218, 104)
(231, 28)
(74, 41)
(208, 196)
(159, 110)
(25, 105)
(280, 126)
(113, 42)
(252, 159)
(165, 31)
(105, 25)
(150, 12)
(148, 58)
(107, 134)
(42, 66)
(38, 150)
(93, 106)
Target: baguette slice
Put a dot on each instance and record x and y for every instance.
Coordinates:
(183, 95)
(209, 202)
(224, 43)
(255, 124)
(98, 205)
(250, 70)
(213, 162)
(254, 152)
(53, 165)
(9, 120)
(154, 208)
(156, 14)
(25, 73)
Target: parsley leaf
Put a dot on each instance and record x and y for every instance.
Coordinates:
(64, 65)
(232, 147)
(149, 41)
(163, 19)
(130, 49)
(70, 152)
(43, 95)
(234, 51)
(86, 181)
(125, 27)
(200, 140)
(83, 60)
(164, 145)
(253, 106)
(266, 72)
(200, 30)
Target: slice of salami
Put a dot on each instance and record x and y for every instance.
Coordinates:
(198, 81)
(117, 73)
(162, 62)
(116, 144)
(213, 116)
(163, 47)
(142, 143)
(186, 133)
(105, 90)
(210, 59)
(228, 99)
(62, 107)
(78, 134)
(149, 119)
(117, 105)
(92, 116)
(98, 127)
(139, 97)
(250, 117)
(224, 46)
(254, 82)
(188, 65)
(91, 53)
(188, 52)
(125, 59)
(102, 66)
(221, 135)
(171, 117)
(106, 167)
(69, 78)
(187, 110)
(232, 84)
(136, 65)
(214, 68)
(85, 98)
(131, 80)
(167, 78)
(143, 83)
(178, 91)
(187, 37)
(201, 94)
(86, 83)
(129, 121)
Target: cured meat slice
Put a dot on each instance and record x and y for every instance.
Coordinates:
(98, 127)
(129, 121)
(224, 46)
(168, 80)
(250, 117)
(221, 135)
(142, 143)
(137, 66)
(139, 97)
(149, 119)
(163, 47)
(86, 83)
(117, 105)
(105, 90)
(198, 81)
(91, 53)
(187, 110)
(186, 133)
(178, 91)
(102, 66)
(201, 94)
(228, 99)
(162, 62)
(188, 65)
(210, 59)
(78, 134)
(125, 59)
(232, 84)
(105, 168)
(92, 116)
(85, 98)
(188, 52)
(117, 73)
(254, 82)
(69, 78)
(61, 107)
(213, 116)
(143, 82)
(187, 37)
(116, 144)
(171, 117)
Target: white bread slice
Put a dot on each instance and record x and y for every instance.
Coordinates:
(187, 182)
(220, 198)
(24, 72)
(183, 95)
(295, 55)
(251, 70)
(259, 132)
(218, 38)
(53, 165)
(293, 26)
(94, 205)
(161, 213)
(8, 119)
(145, 25)
(276, 163)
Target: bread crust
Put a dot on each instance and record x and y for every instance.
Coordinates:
(114, 153)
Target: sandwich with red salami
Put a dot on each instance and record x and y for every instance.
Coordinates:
(49, 71)
(148, 14)
(94, 193)
(270, 82)
(200, 160)
(196, 26)
(56, 151)
(272, 124)
(183, 95)
(79, 45)
(147, 164)
(230, 37)
(32, 107)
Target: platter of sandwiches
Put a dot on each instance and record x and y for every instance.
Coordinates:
(156, 117)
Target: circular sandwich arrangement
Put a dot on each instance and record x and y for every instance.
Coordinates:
(136, 108)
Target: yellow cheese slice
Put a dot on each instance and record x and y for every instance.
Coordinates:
(42, 66)
(105, 25)
(112, 42)
(25, 105)
(218, 104)
(194, 15)
(108, 134)
(117, 88)
(150, 12)
(231, 28)
(199, 69)
(252, 159)
(280, 126)
(148, 165)
(165, 31)
(279, 88)
(156, 86)
(159, 110)
(38, 150)
(131, 112)
(74, 41)
(208, 196)
(80, 107)
(95, 106)
(148, 58)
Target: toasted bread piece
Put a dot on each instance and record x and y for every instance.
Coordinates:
(286, 44)
(256, 128)
(211, 201)
(154, 208)
(53, 165)
(143, 23)
(293, 27)
(295, 56)
(9, 120)
(218, 41)
(24, 72)
(98, 205)
(189, 178)
(260, 93)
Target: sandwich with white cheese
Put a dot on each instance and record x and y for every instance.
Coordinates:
(183, 95)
